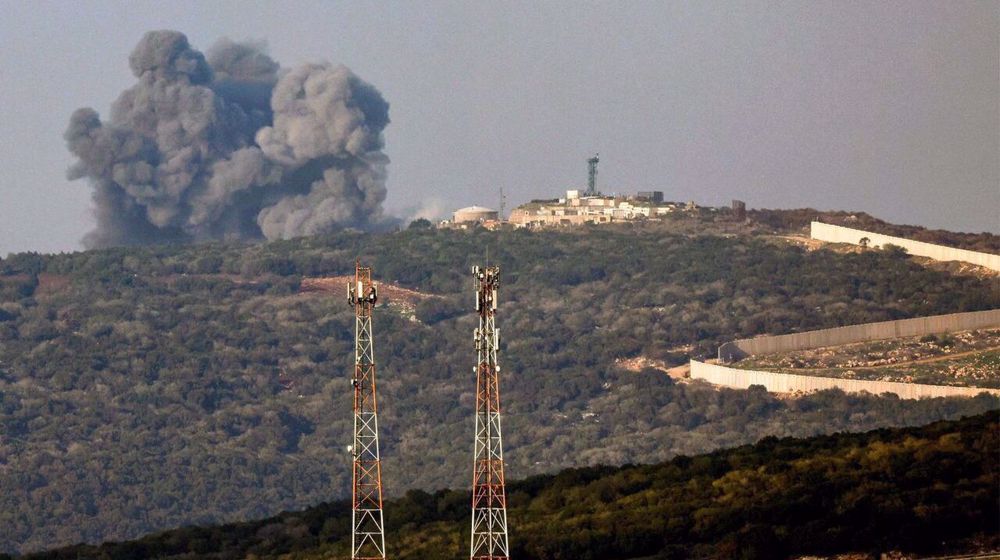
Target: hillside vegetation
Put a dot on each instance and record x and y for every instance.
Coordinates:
(929, 490)
(145, 388)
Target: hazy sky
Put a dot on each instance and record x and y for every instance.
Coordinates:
(888, 107)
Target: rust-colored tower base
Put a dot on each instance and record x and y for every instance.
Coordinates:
(368, 537)
(489, 497)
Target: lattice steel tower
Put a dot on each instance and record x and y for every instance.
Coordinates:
(489, 497)
(592, 175)
(368, 537)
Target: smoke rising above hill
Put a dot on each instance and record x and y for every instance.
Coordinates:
(231, 146)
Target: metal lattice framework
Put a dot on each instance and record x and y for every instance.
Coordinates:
(592, 174)
(489, 497)
(368, 537)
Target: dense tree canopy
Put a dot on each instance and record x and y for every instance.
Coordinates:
(929, 490)
(145, 388)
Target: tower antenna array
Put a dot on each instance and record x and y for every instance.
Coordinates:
(489, 497)
(368, 536)
(592, 175)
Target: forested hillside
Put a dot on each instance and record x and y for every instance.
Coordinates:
(928, 491)
(145, 388)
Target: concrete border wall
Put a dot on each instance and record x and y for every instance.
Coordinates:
(790, 383)
(840, 234)
(738, 349)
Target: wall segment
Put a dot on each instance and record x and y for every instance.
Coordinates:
(839, 234)
(791, 383)
(919, 326)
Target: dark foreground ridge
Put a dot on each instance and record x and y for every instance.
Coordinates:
(926, 490)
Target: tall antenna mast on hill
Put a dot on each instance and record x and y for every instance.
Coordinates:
(368, 536)
(592, 175)
(489, 495)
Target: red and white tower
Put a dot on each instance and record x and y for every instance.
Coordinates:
(489, 497)
(368, 536)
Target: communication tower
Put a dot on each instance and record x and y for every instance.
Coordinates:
(592, 175)
(489, 497)
(368, 536)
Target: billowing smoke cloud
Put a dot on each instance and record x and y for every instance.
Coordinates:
(231, 146)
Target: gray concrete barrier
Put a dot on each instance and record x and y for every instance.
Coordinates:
(792, 383)
(937, 324)
(839, 234)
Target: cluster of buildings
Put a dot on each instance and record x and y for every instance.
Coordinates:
(577, 208)
(573, 209)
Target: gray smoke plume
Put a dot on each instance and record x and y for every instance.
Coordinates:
(231, 146)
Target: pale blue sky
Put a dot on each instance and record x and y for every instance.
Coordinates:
(888, 107)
